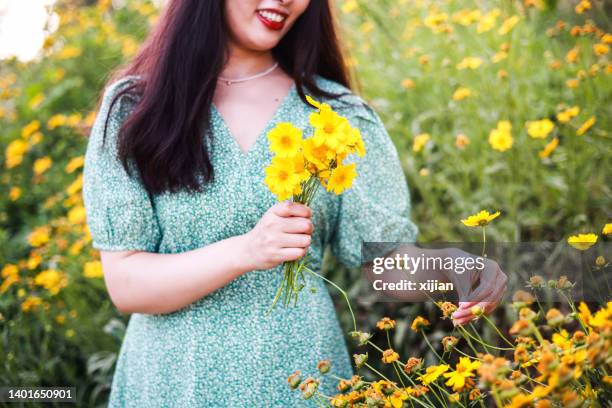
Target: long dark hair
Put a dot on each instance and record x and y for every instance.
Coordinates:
(178, 65)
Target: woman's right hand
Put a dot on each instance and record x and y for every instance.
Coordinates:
(282, 234)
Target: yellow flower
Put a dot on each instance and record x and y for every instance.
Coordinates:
(30, 129)
(508, 24)
(39, 236)
(418, 323)
(470, 62)
(52, 280)
(77, 215)
(341, 178)
(420, 141)
(408, 83)
(36, 100)
(572, 83)
(285, 140)
(41, 165)
(349, 6)
(432, 373)
(500, 138)
(31, 303)
(549, 148)
(586, 126)
(539, 129)
(15, 193)
(607, 229)
(461, 141)
(487, 21)
(461, 93)
(321, 156)
(56, 121)
(601, 49)
(283, 178)
(389, 356)
(568, 114)
(386, 323)
(14, 153)
(330, 128)
(572, 55)
(582, 6)
(463, 370)
(75, 163)
(582, 241)
(93, 269)
(480, 219)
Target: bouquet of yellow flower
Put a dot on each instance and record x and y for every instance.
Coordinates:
(300, 165)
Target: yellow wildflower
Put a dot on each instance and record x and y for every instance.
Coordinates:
(285, 140)
(461, 141)
(470, 62)
(41, 165)
(463, 370)
(601, 49)
(566, 115)
(389, 356)
(341, 178)
(582, 6)
(31, 303)
(15, 193)
(282, 178)
(52, 280)
(39, 236)
(549, 148)
(582, 241)
(586, 126)
(607, 229)
(480, 219)
(75, 163)
(432, 373)
(14, 153)
(508, 25)
(420, 141)
(418, 323)
(539, 129)
(461, 93)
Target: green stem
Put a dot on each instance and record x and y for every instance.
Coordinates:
(344, 294)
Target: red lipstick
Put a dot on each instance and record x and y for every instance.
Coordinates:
(268, 22)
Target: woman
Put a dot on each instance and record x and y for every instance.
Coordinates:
(191, 240)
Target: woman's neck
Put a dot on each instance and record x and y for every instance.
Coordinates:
(243, 62)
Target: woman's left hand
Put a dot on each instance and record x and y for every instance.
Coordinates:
(484, 289)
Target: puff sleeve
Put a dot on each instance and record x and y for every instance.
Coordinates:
(120, 213)
(377, 207)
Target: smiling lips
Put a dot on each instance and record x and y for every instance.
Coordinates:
(273, 19)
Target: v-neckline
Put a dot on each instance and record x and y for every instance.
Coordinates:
(262, 133)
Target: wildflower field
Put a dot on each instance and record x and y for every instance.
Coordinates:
(498, 105)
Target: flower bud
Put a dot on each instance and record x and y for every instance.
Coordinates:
(449, 342)
(309, 387)
(360, 359)
(294, 380)
(477, 310)
(362, 338)
(554, 317)
(600, 261)
(536, 282)
(412, 365)
(323, 366)
(386, 324)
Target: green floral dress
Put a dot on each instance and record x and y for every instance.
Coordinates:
(222, 350)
